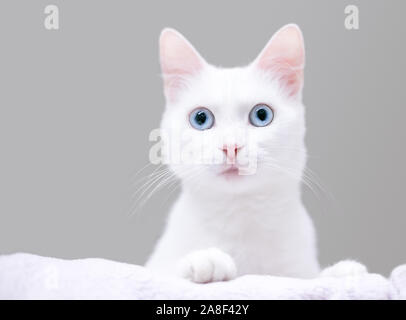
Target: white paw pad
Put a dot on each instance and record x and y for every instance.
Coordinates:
(207, 265)
(345, 268)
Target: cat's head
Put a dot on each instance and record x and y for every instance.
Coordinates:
(234, 129)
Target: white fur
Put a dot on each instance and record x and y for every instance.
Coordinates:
(221, 227)
(345, 268)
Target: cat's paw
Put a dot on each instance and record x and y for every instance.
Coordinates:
(207, 265)
(346, 268)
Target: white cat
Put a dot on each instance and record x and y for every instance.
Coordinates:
(229, 221)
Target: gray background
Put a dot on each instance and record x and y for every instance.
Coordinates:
(77, 105)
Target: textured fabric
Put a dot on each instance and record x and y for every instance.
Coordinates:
(26, 276)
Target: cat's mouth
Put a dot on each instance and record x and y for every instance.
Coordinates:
(232, 171)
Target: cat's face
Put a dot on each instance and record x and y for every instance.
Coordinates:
(234, 129)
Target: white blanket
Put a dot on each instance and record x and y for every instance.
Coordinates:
(26, 276)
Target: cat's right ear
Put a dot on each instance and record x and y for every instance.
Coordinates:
(284, 56)
(179, 61)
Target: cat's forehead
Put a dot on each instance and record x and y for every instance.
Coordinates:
(231, 88)
(230, 80)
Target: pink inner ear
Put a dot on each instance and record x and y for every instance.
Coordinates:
(179, 60)
(284, 56)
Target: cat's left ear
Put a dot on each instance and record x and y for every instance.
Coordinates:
(284, 57)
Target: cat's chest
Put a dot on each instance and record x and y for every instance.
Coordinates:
(236, 222)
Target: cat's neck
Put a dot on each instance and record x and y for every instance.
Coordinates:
(267, 205)
(271, 194)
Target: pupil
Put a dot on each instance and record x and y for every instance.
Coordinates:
(262, 114)
(200, 117)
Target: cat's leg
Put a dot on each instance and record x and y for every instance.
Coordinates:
(344, 268)
(207, 265)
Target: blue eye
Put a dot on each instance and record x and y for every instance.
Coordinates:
(261, 115)
(201, 119)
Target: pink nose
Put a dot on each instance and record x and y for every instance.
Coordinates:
(231, 152)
